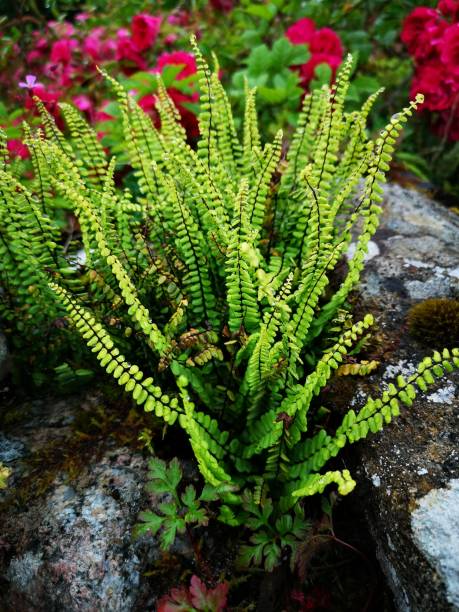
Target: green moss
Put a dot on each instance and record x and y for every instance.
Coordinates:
(435, 322)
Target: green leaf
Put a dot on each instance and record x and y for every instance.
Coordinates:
(174, 473)
(265, 11)
(168, 508)
(189, 496)
(152, 521)
(272, 556)
(259, 61)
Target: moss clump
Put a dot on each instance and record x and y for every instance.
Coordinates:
(435, 322)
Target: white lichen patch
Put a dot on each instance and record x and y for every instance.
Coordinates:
(416, 263)
(358, 399)
(403, 367)
(438, 271)
(23, 570)
(372, 251)
(444, 395)
(376, 480)
(435, 527)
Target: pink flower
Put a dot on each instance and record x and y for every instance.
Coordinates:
(92, 44)
(450, 49)
(178, 58)
(145, 29)
(97, 48)
(327, 42)
(40, 47)
(33, 56)
(17, 148)
(170, 39)
(61, 51)
(81, 17)
(83, 103)
(41, 43)
(301, 32)
(29, 83)
(62, 28)
(179, 18)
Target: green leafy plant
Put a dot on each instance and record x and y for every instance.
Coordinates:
(269, 70)
(179, 510)
(206, 291)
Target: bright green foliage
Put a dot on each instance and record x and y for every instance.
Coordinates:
(206, 292)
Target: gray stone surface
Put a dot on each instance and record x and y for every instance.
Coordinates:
(3, 356)
(435, 526)
(68, 545)
(408, 482)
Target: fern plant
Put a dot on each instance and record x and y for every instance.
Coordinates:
(206, 292)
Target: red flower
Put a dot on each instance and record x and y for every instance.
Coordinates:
(145, 29)
(127, 50)
(178, 58)
(422, 30)
(301, 32)
(225, 6)
(50, 99)
(100, 115)
(327, 42)
(449, 8)
(148, 104)
(324, 44)
(450, 49)
(307, 70)
(436, 84)
(61, 51)
(17, 148)
(189, 119)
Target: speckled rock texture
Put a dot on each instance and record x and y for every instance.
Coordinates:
(65, 538)
(409, 479)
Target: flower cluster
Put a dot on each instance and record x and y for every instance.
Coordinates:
(324, 46)
(61, 62)
(432, 39)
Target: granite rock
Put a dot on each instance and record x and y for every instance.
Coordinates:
(69, 546)
(408, 474)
